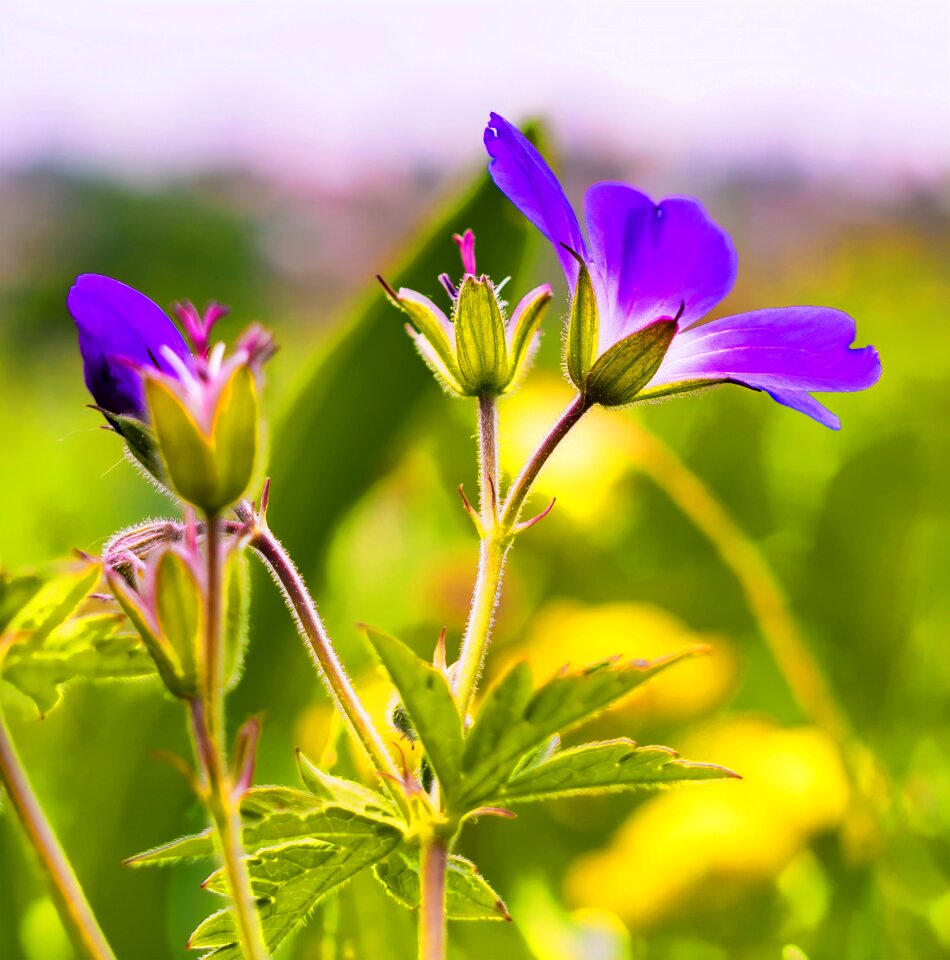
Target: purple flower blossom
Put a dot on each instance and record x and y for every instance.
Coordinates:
(669, 261)
(122, 332)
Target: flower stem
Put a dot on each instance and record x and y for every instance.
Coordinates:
(497, 538)
(522, 484)
(224, 806)
(311, 628)
(432, 873)
(70, 901)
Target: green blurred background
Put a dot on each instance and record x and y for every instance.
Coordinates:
(846, 855)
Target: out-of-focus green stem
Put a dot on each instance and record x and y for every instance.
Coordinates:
(67, 894)
(761, 589)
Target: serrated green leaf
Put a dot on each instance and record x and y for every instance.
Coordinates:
(275, 815)
(289, 880)
(194, 847)
(426, 696)
(467, 895)
(324, 786)
(90, 648)
(52, 604)
(580, 347)
(610, 765)
(514, 724)
(625, 368)
(480, 342)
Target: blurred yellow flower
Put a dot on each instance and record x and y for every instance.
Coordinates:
(568, 632)
(678, 843)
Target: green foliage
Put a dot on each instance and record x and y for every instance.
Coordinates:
(45, 645)
(467, 895)
(625, 368)
(514, 720)
(426, 695)
(348, 793)
(610, 765)
(580, 347)
(289, 881)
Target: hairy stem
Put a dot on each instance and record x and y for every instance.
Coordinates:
(74, 910)
(224, 806)
(312, 629)
(522, 484)
(759, 586)
(432, 873)
(498, 533)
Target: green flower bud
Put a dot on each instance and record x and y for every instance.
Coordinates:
(209, 467)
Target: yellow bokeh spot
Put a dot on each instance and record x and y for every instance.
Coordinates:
(584, 470)
(678, 843)
(568, 632)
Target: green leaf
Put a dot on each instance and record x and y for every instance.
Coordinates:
(480, 338)
(52, 604)
(234, 435)
(425, 693)
(512, 722)
(581, 345)
(91, 648)
(276, 815)
(15, 593)
(524, 326)
(289, 881)
(324, 786)
(467, 895)
(611, 765)
(623, 370)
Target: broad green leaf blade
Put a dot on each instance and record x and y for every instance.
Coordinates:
(611, 765)
(324, 786)
(362, 368)
(515, 726)
(624, 369)
(425, 694)
(582, 331)
(90, 647)
(289, 881)
(467, 895)
(52, 604)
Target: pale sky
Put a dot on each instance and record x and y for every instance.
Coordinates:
(333, 91)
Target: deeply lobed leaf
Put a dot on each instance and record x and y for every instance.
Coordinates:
(513, 721)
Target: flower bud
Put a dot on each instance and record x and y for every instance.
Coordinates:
(209, 466)
(477, 350)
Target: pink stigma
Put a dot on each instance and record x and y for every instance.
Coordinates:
(466, 245)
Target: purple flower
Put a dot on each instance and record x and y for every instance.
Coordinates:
(121, 332)
(668, 262)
